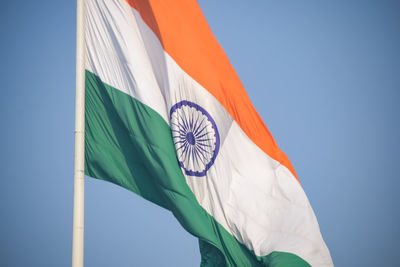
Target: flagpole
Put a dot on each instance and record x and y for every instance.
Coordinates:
(79, 163)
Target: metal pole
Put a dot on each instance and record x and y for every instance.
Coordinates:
(79, 164)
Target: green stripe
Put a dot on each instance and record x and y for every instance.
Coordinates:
(129, 144)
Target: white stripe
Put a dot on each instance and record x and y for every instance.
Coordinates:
(115, 51)
(250, 194)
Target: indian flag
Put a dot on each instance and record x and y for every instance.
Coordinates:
(167, 117)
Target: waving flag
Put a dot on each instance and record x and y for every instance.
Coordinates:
(168, 118)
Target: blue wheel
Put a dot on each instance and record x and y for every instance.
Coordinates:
(195, 136)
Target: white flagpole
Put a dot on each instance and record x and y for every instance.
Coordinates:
(79, 163)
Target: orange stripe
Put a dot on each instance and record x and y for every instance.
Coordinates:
(185, 35)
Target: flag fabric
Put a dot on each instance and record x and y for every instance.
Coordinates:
(168, 118)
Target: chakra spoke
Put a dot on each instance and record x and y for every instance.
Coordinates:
(178, 125)
(195, 123)
(186, 121)
(184, 143)
(195, 157)
(199, 147)
(202, 130)
(205, 160)
(200, 124)
(191, 123)
(180, 142)
(190, 152)
(185, 151)
(202, 154)
(184, 126)
(182, 156)
(203, 140)
(179, 131)
(203, 145)
(202, 135)
(178, 136)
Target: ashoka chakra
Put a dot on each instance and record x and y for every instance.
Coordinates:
(196, 137)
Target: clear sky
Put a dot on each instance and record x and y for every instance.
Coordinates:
(324, 76)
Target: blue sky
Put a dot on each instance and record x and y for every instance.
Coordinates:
(324, 76)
